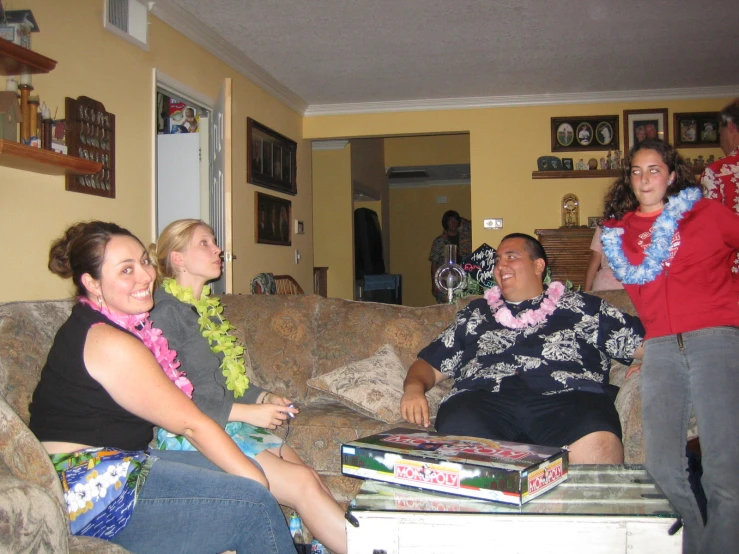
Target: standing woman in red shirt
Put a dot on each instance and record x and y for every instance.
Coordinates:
(673, 251)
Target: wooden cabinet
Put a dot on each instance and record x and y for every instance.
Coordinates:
(568, 251)
(16, 60)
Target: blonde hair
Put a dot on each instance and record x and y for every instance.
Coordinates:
(175, 237)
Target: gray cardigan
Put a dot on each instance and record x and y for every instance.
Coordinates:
(179, 324)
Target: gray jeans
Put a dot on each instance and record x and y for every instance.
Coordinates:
(697, 370)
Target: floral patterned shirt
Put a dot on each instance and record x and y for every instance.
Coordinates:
(721, 182)
(571, 350)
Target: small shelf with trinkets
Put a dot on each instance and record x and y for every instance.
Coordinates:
(17, 60)
(588, 174)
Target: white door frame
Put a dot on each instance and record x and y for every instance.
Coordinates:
(164, 82)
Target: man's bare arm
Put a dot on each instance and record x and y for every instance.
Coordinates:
(421, 377)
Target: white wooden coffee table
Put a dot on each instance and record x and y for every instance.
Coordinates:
(605, 509)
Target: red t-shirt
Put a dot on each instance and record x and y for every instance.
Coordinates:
(695, 289)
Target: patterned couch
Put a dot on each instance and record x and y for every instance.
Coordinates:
(289, 339)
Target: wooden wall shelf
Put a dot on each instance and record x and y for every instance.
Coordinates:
(48, 162)
(16, 60)
(589, 174)
(576, 174)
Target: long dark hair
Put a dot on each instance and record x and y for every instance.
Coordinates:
(620, 198)
(81, 249)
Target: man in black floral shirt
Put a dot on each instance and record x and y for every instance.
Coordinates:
(530, 364)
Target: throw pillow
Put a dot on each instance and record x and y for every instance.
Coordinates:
(373, 386)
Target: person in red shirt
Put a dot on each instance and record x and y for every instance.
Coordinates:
(673, 249)
(721, 178)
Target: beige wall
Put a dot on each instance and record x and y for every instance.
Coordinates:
(333, 233)
(427, 150)
(504, 145)
(93, 62)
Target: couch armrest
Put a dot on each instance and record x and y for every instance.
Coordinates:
(31, 520)
(628, 404)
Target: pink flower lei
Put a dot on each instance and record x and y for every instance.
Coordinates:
(529, 317)
(140, 326)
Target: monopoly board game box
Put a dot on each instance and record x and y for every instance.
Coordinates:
(508, 472)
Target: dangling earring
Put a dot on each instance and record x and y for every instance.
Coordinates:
(100, 301)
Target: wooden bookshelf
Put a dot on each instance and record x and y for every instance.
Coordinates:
(590, 174)
(48, 162)
(16, 60)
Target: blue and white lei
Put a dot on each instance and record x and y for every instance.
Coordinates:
(658, 251)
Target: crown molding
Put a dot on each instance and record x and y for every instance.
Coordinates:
(204, 36)
(320, 145)
(522, 100)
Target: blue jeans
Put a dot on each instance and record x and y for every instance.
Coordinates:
(188, 505)
(697, 370)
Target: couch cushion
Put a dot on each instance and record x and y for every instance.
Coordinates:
(347, 331)
(373, 386)
(279, 334)
(27, 330)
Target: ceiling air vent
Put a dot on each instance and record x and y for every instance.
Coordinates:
(407, 174)
(127, 19)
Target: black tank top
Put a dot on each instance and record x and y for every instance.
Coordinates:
(68, 405)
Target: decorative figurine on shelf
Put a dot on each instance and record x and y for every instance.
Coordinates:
(24, 24)
(710, 160)
(450, 276)
(699, 162)
(688, 162)
(581, 165)
(570, 210)
(592, 163)
(616, 160)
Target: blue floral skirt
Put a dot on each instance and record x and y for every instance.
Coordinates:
(251, 440)
(100, 488)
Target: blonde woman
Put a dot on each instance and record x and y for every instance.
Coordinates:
(187, 257)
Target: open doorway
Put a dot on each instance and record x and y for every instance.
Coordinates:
(182, 158)
(409, 181)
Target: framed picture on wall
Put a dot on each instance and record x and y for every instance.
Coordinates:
(272, 158)
(272, 219)
(644, 124)
(695, 130)
(593, 132)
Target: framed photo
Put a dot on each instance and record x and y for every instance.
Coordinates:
(695, 130)
(567, 164)
(272, 158)
(644, 124)
(272, 217)
(597, 132)
(593, 222)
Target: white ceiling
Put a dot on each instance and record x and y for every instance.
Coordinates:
(336, 56)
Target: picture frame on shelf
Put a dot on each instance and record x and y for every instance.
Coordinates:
(596, 132)
(643, 124)
(695, 130)
(7, 32)
(593, 222)
(272, 158)
(567, 164)
(272, 217)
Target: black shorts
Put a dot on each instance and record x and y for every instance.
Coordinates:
(519, 415)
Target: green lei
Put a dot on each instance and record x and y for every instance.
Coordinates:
(208, 308)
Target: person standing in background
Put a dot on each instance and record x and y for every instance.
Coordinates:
(456, 233)
(599, 275)
(721, 178)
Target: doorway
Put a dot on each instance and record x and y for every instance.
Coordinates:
(409, 181)
(193, 163)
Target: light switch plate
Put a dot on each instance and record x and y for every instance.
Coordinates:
(493, 223)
